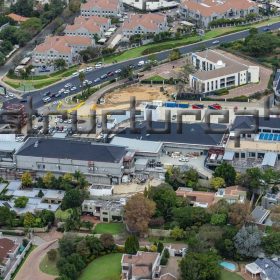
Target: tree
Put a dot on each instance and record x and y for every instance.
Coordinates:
(238, 213)
(82, 77)
(227, 172)
(271, 243)
(248, 241)
(200, 266)
(48, 179)
(160, 247)
(138, 212)
(67, 245)
(2, 58)
(26, 180)
(6, 216)
(21, 201)
(165, 198)
(220, 207)
(174, 54)
(131, 245)
(29, 220)
(73, 198)
(47, 216)
(177, 233)
(32, 25)
(74, 6)
(94, 245)
(217, 182)
(82, 249)
(52, 255)
(218, 219)
(107, 241)
(60, 63)
(40, 193)
(22, 7)
(191, 178)
(275, 216)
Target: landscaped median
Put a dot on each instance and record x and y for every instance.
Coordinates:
(38, 82)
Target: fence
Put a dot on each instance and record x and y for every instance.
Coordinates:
(18, 261)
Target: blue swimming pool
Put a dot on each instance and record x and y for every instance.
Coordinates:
(228, 265)
(269, 136)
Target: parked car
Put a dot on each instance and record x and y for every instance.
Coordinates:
(98, 65)
(215, 42)
(104, 76)
(141, 63)
(110, 74)
(47, 93)
(215, 106)
(46, 99)
(89, 68)
(97, 80)
(75, 74)
(118, 71)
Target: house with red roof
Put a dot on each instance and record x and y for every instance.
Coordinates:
(144, 24)
(202, 12)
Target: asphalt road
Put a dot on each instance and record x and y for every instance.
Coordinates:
(97, 73)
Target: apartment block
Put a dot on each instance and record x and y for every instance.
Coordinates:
(105, 8)
(202, 12)
(60, 47)
(215, 71)
(88, 26)
(144, 24)
(103, 210)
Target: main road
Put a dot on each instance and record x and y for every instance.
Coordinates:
(97, 73)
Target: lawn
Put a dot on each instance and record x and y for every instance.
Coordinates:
(103, 268)
(156, 78)
(226, 275)
(48, 267)
(113, 228)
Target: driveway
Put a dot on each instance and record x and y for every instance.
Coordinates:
(30, 269)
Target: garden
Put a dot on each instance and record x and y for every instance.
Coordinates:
(112, 228)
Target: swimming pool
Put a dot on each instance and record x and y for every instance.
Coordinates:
(269, 136)
(228, 265)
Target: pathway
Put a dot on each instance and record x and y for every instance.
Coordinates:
(31, 267)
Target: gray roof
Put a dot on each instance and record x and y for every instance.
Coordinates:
(228, 156)
(246, 122)
(2, 187)
(138, 145)
(10, 146)
(14, 185)
(195, 133)
(269, 159)
(270, 268)
(71, 149)
(260, 214)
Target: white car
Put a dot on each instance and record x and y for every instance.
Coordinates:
(68, 85)
(73, 88)
(183, 159)
(75, 74)
(88, 69)
(10, 94)
(66, 91)
(46, 99)
(82, 71)
(118, 71)
(215, 42)
(98, 65)
(141, 63)
(61, 90)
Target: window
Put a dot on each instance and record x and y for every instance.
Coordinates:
(243, 155)
(236, 155)
(252, 154)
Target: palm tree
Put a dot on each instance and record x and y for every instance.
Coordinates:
(82, 77)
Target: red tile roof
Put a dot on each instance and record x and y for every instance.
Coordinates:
(17, 18)
(102, 4)
(6, 245)
(196, 196)
(209, 7)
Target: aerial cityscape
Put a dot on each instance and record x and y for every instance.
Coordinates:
(140, 140)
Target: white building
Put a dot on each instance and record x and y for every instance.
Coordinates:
(202, 12)
(144, 24)
(105, 8)
(216, 71)
(146, 5)
(60, 47)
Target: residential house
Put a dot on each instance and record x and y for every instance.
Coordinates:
(105, 211)
(88, 26)
(17, 18)
(260, 216)
(60, 47)
(8, 251)
(216, 71)
(105, 8)
(143, 265)
(264, 269)
(233, 194)
(100, 163)
(270, 199)
(202, 12)
(144, 24)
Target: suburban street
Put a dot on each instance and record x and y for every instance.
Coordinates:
(97, 73)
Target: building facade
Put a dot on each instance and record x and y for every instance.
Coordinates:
(104, 8)
(202, 12)
(144, 24)
(215, 72)
(276, 87)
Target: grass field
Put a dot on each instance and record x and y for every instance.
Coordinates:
(48, 266)
(113, 228)
(226, 275)
(104, 268)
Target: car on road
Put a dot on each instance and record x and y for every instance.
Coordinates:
(68, 85)
(215, 106)
(110, 74)
(58, 94)
(215, 42)
(10, 94)
(266, 29)
(73, 88)
(98, 65)
(104, 76)
(89, 68)
(97, 80)
(46, 99)
(183, 159)
(141, 63)
(61, 90)
(47, 93)
(118, 71)
(75, 74)
(197, 106)
(67, 91)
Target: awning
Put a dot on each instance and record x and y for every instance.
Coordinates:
(253, 268)
(228, 156)
(269, 159)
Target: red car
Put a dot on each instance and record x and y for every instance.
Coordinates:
(197, 106)
(215, 106)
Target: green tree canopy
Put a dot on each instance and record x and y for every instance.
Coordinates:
(131, 245)
(227, 172)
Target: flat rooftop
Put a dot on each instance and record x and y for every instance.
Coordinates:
(192, 133)
(249, 145)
